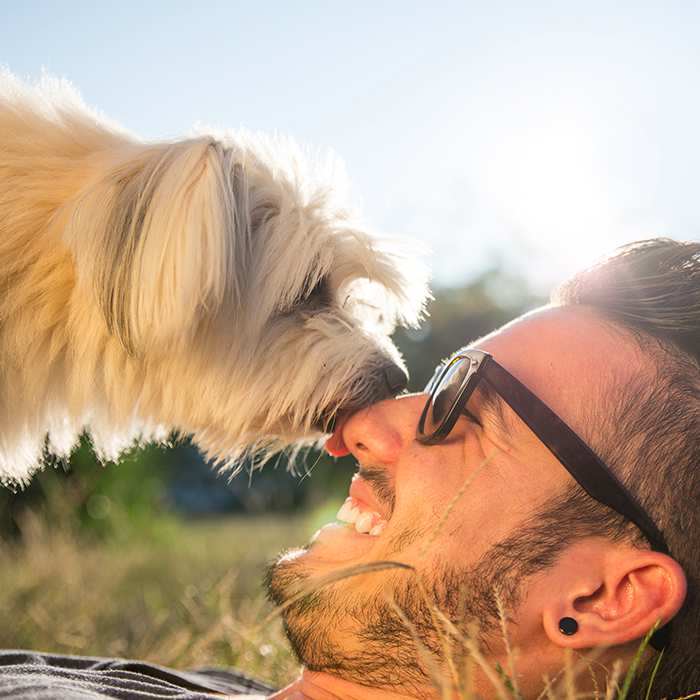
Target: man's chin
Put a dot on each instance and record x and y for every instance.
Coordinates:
(333, 548)
(338, 543)
(340, 627)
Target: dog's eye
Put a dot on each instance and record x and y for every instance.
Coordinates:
(320, 293)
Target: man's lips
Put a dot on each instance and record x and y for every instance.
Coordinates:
(362, 491)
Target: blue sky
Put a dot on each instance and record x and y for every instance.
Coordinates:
(536, 134)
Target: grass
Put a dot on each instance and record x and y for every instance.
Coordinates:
(189, 598)
(188, 594)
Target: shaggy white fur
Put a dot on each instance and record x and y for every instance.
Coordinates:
(214, 286)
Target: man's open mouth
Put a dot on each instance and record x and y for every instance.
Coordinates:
(357, 514)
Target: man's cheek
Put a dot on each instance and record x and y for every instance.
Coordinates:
(406, 537)
(454, 540)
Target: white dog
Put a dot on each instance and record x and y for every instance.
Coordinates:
(209, 286)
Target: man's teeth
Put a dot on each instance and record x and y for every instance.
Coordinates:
(365, 522)
(345, 511)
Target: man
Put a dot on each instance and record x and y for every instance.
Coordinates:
(480, 512)
(538, 502)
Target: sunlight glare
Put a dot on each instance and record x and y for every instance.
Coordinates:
(548, 182)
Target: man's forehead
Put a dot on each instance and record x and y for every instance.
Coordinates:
(568, 356)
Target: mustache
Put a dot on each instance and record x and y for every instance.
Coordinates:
(381, 484)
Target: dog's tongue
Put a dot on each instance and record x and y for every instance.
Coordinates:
(335, 445)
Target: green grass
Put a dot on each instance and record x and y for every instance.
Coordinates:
(185, 594)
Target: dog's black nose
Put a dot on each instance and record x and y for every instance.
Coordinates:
(396, 379)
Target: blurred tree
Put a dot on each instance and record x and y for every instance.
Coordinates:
(460, 315)
(148, 486)
(81, 493)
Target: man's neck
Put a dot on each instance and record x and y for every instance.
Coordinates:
(323, 686)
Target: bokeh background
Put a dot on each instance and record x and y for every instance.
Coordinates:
(519, 141)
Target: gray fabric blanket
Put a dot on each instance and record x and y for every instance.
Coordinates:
(30, 675)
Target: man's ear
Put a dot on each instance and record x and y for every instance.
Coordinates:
(614, 592)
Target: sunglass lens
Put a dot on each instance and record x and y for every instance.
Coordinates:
(444, 394)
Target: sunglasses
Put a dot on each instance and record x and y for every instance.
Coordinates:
(453, 384)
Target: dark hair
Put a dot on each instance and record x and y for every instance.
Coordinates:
(651, 435)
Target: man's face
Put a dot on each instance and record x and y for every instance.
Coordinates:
(444, 509)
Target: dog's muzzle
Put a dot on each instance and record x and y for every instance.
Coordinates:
(390, 381)
(396, 379)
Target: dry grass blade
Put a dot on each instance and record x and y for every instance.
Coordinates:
(569, 675)
(323, 581)
(452, 635)
(424, 653)
(613, 681)
(466, 686)
(474, 653)
(450, 626)
(547, 691)
(438, 620)
(594, 681)
(453, 502)
(510, 653)
(472, 647)
(566, 679)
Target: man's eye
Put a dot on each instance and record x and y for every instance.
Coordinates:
(468, 414)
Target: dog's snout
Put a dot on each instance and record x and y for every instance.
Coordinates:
(396, 379)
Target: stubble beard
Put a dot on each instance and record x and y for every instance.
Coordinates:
(370, 638)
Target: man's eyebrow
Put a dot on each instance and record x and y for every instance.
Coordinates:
(493, 406)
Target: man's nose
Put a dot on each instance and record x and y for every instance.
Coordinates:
(379, 433)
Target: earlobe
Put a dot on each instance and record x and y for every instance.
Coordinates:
(634, 590)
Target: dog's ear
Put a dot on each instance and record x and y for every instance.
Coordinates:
(382, 281)
(157, 238)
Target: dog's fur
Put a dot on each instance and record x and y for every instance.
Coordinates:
(209, 285)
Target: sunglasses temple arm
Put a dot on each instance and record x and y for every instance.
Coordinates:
(573, 453)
